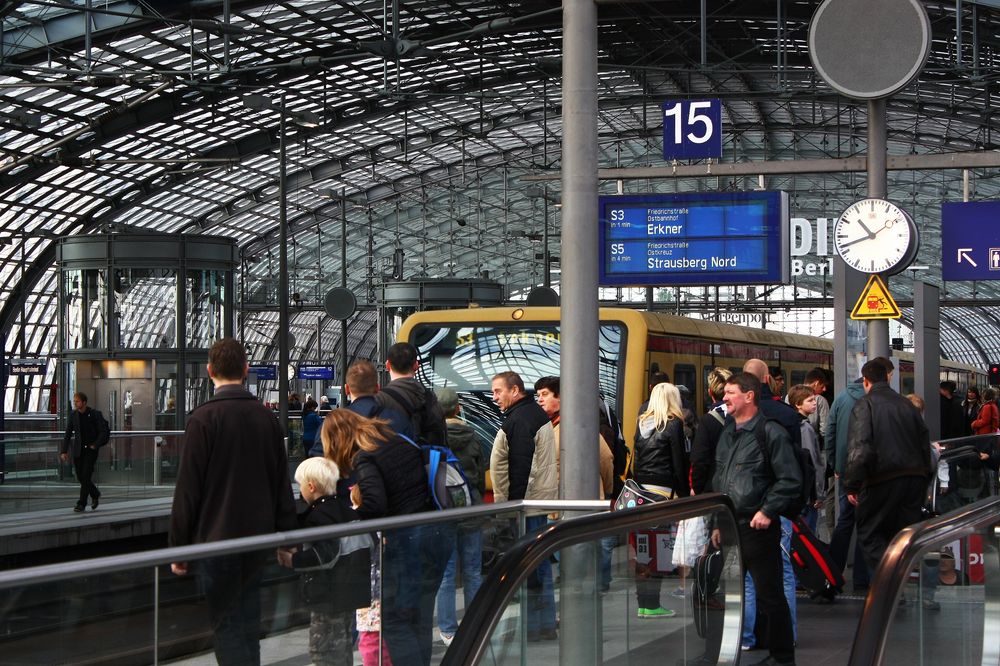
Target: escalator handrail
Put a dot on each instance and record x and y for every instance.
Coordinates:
(498, 588)
(893, 571)
(49, 573)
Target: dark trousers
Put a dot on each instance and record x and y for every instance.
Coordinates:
(413, 564)
(85, 473)
(231, 585)
(761, 550)
(886, 508)
(840, 542)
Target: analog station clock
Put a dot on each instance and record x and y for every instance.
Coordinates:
(876, 236)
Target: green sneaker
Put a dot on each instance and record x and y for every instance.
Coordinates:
(650, 613)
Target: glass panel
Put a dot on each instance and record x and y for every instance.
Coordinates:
(197, 386)
(619, 601)
(205, 311)
(942, 610)
(85, 300)
(166, 392)
(466, 358)
(37, 480)
(146, 305)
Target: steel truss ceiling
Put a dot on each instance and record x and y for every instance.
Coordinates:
(133, 116)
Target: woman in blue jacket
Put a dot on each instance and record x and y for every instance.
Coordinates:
(311, 422)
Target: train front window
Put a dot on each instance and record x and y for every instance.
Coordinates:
(466, 358)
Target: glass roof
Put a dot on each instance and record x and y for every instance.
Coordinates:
(431, 114)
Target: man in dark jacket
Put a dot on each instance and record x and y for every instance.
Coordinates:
(888, 463)
(706, 436)
(86, 433)
(232, 482)
(773, 409)
(952, 418)
(762, 479)
(362, 387)
(468, 550)
(523, 466)
(408, 396)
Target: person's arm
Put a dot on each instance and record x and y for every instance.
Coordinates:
(678, 458)
(521, 447)
(188, 491)
(103, 431)
(785, 468)
(499, 468)
(322, 554)
(374, 501)
(860, 446)
(64, 448)
(702, 457)
(607, 467)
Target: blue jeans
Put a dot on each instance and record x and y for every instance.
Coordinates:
(841, 541)
(788, 582)
(541, 610)
(413, 563)
(469, 547)
(608, 545)
(231, 585)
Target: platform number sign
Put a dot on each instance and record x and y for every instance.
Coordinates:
(692, 129)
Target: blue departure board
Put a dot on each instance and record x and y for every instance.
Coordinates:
(707, 238)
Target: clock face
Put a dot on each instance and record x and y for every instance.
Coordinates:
(875, 236)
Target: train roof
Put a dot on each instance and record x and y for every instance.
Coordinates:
(652, 321)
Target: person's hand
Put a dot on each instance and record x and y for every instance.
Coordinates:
(91, 446)
(984, 456)
(853, 499)
(64, 457)
(285, 557)
(179, 568)
(760, 521)
(717, 538)
(818, 504)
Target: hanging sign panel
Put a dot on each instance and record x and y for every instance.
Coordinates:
(970, 240)
(315, 372)
(27, 366)
(692, 129)
(264, 371)
(708, 238)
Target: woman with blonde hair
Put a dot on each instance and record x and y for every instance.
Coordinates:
(392, 482)
(660, 464)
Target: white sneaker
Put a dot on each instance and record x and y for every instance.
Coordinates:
(446, 638)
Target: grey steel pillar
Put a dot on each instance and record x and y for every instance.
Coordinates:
(282, 276)
(878, 329)
(580, 642)
(927, 352)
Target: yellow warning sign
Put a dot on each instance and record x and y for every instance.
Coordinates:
(875, 302)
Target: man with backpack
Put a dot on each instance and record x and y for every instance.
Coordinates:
(86, 433)
(763, 480)
(408, 396)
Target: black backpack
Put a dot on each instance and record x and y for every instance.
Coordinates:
(422, 418)
(806, 469)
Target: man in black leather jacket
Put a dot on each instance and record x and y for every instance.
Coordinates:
(888, 463)
(763, 480)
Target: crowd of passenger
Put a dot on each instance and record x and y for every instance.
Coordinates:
(868, 448)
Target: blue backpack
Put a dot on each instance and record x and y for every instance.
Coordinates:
(447, 484)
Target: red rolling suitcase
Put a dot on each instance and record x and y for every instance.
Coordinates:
(812, 563)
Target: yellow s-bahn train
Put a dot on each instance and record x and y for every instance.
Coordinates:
(464, 349)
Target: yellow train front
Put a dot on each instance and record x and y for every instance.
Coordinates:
(465, 348)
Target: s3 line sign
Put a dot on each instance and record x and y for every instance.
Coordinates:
(692, 129)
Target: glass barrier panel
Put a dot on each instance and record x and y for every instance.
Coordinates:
(128, 467)
(941, 612)
(91, 619)
(633, 597)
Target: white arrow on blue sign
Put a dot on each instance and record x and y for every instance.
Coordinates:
(970, 240)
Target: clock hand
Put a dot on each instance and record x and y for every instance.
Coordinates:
(867, 230)
(857, 240)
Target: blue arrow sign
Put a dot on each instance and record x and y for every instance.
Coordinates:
(970, 240)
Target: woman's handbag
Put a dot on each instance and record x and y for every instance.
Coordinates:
(633, 494)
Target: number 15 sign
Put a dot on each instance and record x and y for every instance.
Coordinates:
(692, 129)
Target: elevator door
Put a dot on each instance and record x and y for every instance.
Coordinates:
(128, 405)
